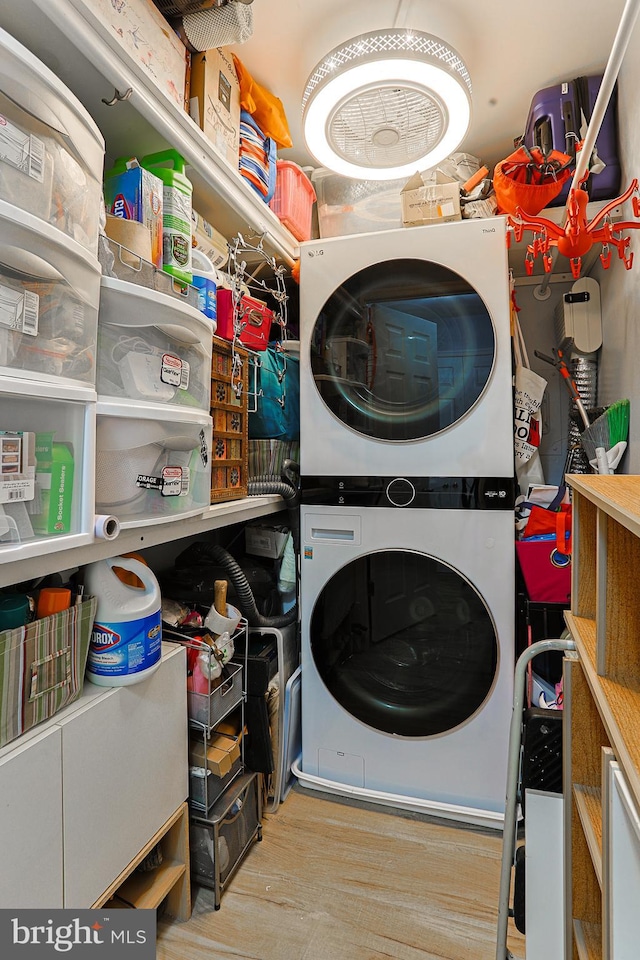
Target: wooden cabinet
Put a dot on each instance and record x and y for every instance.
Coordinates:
(602, 707)
(167, 881)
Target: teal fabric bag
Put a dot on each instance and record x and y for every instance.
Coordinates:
(277, 397)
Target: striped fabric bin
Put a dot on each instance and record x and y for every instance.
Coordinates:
(258, 157)
(42, 667)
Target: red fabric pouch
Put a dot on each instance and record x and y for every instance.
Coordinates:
(545, 570)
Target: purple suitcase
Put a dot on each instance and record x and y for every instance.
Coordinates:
(554, 122)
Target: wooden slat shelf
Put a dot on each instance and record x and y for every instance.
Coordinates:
(618, 704)
(603, 711)
(588, 940)
(148, 890)
(588, 802)
(615, 495)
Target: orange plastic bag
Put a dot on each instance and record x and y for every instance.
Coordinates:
(265, 108)
(530, 179)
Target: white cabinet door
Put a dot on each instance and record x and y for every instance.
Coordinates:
(125, 771)
(30, 822)
(544, 876)
(622, 849)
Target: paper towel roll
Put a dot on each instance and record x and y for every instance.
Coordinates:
(106, 527)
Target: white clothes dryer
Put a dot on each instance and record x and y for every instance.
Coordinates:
(408, 649)
(405, 353)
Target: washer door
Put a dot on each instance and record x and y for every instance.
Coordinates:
(402, 350)
(404, 643)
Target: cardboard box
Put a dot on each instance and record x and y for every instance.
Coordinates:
(139, 28)
(54, 486)
(221, 753)
(215, 101)
(209, 240)
(262, 540)
(136, 194)
(17, 466)
(430, 200)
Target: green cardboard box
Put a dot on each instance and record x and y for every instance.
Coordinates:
(54, 486)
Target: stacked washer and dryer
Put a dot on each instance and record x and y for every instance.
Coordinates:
(407, 528)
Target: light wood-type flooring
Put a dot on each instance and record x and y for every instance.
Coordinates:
(336, 880)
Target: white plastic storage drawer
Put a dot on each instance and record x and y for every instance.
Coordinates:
(49, 296)
(51, 151)
(151, 468)
(46, 468)
(151, 347)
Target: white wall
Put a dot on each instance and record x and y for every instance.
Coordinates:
(619, 374)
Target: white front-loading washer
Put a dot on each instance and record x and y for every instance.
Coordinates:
(405, 353)
(408, 647)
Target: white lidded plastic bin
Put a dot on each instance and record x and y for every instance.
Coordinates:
(152, 464)
(49, 296)
(152, 347)
(47, 483)
(51, 151)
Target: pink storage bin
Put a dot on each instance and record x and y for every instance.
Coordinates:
(293, 200)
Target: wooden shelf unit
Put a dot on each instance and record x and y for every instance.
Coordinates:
(169, 881)
(602, 697)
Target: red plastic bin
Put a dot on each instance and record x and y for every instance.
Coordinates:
(293, 200)
(255, 320)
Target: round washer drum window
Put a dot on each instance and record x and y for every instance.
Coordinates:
(402, 350)
(404, 643)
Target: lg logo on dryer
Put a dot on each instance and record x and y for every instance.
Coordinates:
(315, 253)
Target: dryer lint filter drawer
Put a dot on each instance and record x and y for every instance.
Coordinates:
(152, 347)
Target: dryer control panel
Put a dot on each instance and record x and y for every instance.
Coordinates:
(447, 493)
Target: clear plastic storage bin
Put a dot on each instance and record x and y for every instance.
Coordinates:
(151, 468)
(49, 295)
(51, 151)
(152, 347)
(46, 468)
(347, 206)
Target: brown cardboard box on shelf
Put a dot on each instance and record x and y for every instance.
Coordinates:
(139, 27)
(215, 101)
(221, 753)
(430, 200)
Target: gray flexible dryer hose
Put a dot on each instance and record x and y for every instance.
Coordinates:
(260, 486)
(244, 593)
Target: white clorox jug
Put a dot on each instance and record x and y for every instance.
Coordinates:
(126, 640)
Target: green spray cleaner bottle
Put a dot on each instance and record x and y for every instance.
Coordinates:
(177, 191)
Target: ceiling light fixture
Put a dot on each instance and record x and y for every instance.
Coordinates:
(386, 104)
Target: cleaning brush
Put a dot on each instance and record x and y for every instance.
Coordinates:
(605, 440)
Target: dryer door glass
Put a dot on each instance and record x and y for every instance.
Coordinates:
(404, 643)
(402, 350)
